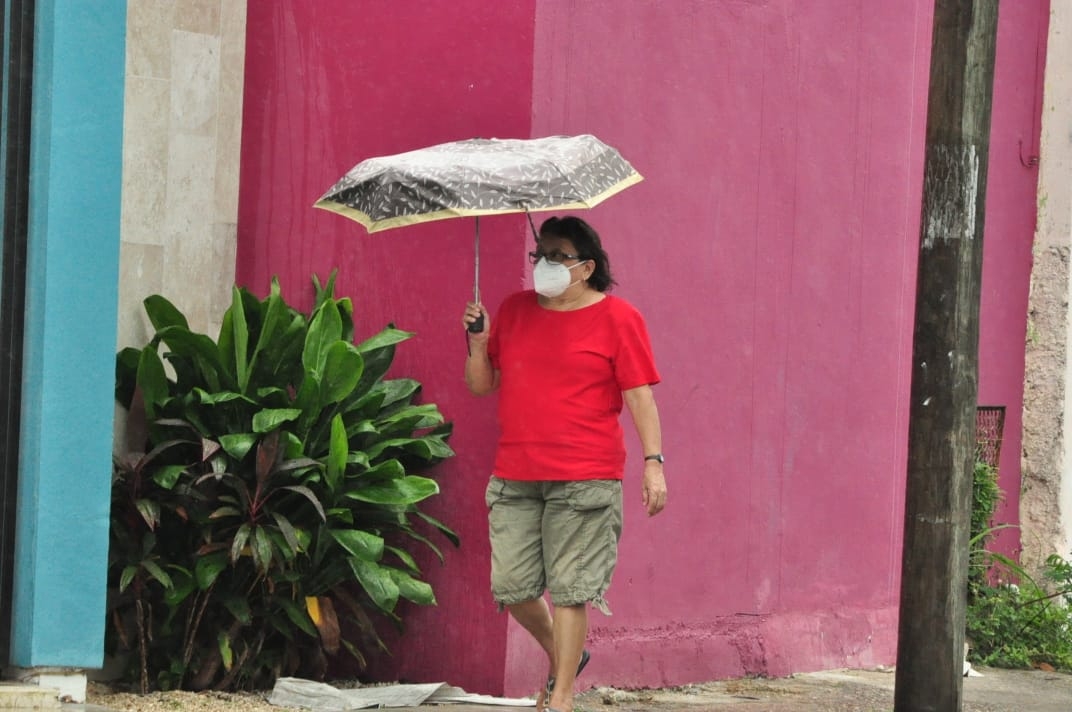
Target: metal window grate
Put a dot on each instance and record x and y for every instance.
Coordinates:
(989, 423)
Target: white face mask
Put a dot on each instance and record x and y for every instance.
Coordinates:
(552, 279)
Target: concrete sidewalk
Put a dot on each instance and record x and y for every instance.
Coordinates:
(833, 691)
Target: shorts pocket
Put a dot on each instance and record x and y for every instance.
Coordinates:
(494, 491)
(587, 495)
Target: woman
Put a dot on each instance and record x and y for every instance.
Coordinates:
(563, 357)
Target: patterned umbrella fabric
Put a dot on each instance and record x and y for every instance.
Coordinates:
(480, 177)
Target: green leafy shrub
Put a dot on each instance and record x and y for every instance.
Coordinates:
(1024, 625)
(270, 484)
(1012, 620)
(986, 495)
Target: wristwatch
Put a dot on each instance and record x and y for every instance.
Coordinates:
(658, 457)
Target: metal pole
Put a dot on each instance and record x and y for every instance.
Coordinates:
(476, 266)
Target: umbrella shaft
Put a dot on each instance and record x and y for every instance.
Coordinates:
(476, 263)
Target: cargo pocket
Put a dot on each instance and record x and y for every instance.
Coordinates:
(588, 495)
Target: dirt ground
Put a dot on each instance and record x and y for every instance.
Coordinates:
(835, 691)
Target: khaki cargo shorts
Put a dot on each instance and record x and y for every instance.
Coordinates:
(555, 536)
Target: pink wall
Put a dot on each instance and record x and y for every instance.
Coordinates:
(1010, 232)
(772, 248)
(331, 83)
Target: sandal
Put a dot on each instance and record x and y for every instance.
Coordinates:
(585, 657)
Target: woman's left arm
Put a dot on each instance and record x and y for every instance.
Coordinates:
(641, 404)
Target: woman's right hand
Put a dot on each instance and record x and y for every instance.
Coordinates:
(473, 312)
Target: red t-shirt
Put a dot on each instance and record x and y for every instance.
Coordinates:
(562, 374)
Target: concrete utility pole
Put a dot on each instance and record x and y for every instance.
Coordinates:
(945, 359)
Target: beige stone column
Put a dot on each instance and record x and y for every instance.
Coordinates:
(181, 141)
(1046, 497)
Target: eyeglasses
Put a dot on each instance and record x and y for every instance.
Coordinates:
(555, 257)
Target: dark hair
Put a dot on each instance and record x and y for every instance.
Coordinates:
(586, 240)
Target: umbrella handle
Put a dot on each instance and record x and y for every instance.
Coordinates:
(478, 325)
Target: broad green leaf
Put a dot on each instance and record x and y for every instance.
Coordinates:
(298, 616)
(225, 343)
(426, 541)
(152, 380)
(304, 539)
(292, 446)
(268, 392)
(126, 577)
(283, 361)
(338, 448)
(399, 389)
(237, 444)
(221, 512)
(280, 545)
(182, 585)
(126, 375)
(238, 545)
(360, 427)
(341, 514)
(288, 532)
(240, 335)
(406, 558)
(222, 397)
(379, 353)
(225, 649)
(156, 572)
(168, 475)
(262, 549)
(197, 349)
(412, 589)
(359, 543)
(298, 463)
(386, 470)
(269, 419)
(427, 449)
(149, 511)
(357, 457)
(387, 337)
(352, 649)
(405, 490)
(346, 311)
(163, 313)
(239, 608)
(275, 311)
(342, 371)
(368, 398)
(438, 447)
(447, 531)
(307, 401)
(308, 494)
(324, 330)
(208, 568)
(413, 446)
(413, 417)
(324, 291)
(377, 582)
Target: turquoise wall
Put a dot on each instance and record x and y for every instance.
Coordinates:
(72, 289)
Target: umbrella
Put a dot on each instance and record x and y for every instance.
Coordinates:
(480, 177)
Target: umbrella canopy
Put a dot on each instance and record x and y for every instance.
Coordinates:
(480, 177)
